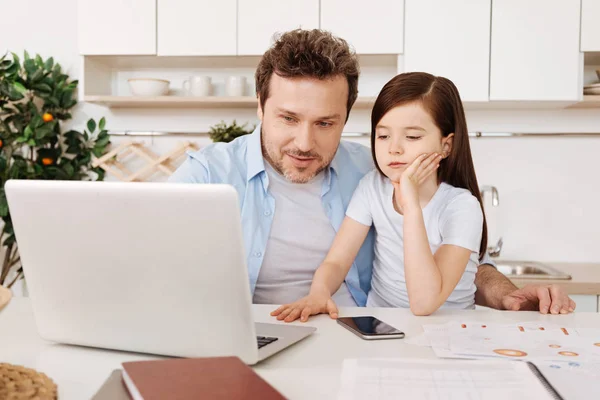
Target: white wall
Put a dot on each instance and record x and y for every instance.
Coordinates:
(548, 187)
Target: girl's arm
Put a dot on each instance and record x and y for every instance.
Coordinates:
(329, 276)
(429, 278)
(332, 272)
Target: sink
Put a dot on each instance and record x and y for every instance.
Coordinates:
(529, 270)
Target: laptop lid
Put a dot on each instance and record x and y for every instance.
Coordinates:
(148, 267)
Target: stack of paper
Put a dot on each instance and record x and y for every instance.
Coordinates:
(543, 343)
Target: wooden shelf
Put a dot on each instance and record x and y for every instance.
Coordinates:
(191, 102)
(589, 101)
(361, 103)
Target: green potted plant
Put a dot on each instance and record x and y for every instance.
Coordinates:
(36, 97)
(223, 132)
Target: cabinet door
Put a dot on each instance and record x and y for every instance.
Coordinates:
(259, 20)
(535, 50)
(197, 27)
(453, 42)
(373, 27)
(585, 303)
(115, 27)
(590, 25)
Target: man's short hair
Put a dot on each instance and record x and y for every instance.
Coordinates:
(311, 54)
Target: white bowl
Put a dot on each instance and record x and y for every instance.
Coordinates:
(148, 86)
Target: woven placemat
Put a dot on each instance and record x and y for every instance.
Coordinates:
(20, 383)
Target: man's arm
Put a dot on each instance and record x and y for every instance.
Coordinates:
(193, 170)
(497, 291)
(492, 286)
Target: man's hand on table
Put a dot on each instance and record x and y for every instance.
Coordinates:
(546, 298)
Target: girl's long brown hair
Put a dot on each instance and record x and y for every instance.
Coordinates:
(441, 100)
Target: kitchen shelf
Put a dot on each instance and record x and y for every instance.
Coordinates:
(191, 102)
(251, 102)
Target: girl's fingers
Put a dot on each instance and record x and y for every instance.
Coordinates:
(414, 166)
(279, 310)
(284, 313)
(293, 315)
(426, 172)
(305, 314)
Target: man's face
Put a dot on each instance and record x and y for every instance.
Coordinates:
(302, 123)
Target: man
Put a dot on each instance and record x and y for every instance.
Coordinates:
(295, 177)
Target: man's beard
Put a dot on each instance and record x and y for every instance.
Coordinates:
(294, 176)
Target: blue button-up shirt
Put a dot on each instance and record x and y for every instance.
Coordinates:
(241, 164)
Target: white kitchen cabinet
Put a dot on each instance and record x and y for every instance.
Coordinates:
(259, 20)
(535, 50)
(590, 25)
(197, 27)
(116, 27)
(373, 27)
(450, 38)
(585, 303)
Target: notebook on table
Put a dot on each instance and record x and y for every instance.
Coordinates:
(444, 380)
(216, 378)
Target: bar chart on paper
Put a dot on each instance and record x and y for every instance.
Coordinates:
(530, 341)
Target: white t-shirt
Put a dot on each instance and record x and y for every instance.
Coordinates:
(452, 216)
(300, 237)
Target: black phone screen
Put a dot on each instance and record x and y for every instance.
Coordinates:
(369, 326)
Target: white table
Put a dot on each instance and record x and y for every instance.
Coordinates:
(308, 370)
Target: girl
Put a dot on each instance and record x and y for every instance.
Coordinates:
(423, 201)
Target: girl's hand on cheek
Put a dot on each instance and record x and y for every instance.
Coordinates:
(406, 191)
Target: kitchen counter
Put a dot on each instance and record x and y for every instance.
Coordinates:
(585, 278)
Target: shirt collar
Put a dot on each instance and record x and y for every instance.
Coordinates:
(256, 163)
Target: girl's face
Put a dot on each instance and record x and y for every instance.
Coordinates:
(403, 134)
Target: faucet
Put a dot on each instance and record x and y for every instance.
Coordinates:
(493, 251)
(495, 197)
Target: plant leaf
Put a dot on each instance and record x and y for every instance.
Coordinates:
(14, 68)
(49, 64)
(3, 203)
(102, 142)
(37, 75)
(30, 67)
(91, 125)
(19, 88)
(43, 88)
(102, 123)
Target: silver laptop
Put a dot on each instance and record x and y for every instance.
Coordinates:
(147, 267)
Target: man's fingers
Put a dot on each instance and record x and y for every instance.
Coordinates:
(293, 315)
(515, 306)
(572, 305)
(544, 299)
(558, 299)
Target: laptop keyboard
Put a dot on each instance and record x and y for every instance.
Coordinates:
(263, 341)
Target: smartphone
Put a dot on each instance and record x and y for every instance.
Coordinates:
(370, 328)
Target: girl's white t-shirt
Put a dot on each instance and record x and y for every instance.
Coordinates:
(452, 216)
